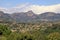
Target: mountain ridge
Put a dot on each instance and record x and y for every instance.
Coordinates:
(29, 16)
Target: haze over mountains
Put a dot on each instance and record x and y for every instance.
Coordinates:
(38, 9)
(29, 16)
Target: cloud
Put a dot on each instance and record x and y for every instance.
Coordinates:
(41, 9)
(38, 9)
(19, 8)
(3, 9)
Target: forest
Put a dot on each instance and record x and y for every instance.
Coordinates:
(30, 31)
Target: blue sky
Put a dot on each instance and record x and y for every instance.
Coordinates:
(13, 3)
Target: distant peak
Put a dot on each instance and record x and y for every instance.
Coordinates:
(1, 12)
(30, 12)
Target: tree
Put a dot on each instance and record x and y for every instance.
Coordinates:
(4, 30)
(21, 36)
(54, 36)
(3, 38)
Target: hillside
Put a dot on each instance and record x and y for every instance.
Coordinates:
(29, 16)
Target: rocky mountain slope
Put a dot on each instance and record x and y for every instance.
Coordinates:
(29, 16)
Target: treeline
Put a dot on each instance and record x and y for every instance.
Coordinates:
(22, 31)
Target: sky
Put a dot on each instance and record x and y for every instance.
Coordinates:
(12, 3)
(38, 6)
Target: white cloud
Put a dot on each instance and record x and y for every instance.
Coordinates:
(41, 9)
(3, 9)
(38, 9)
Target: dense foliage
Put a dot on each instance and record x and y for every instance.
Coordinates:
(29, 31)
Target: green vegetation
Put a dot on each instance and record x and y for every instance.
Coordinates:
(30, 31)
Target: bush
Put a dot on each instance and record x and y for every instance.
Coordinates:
(4, 30)
(54, 36)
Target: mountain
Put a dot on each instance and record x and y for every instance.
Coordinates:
(29, 16)
(4, 17)
(24, 16)
(49, 16)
